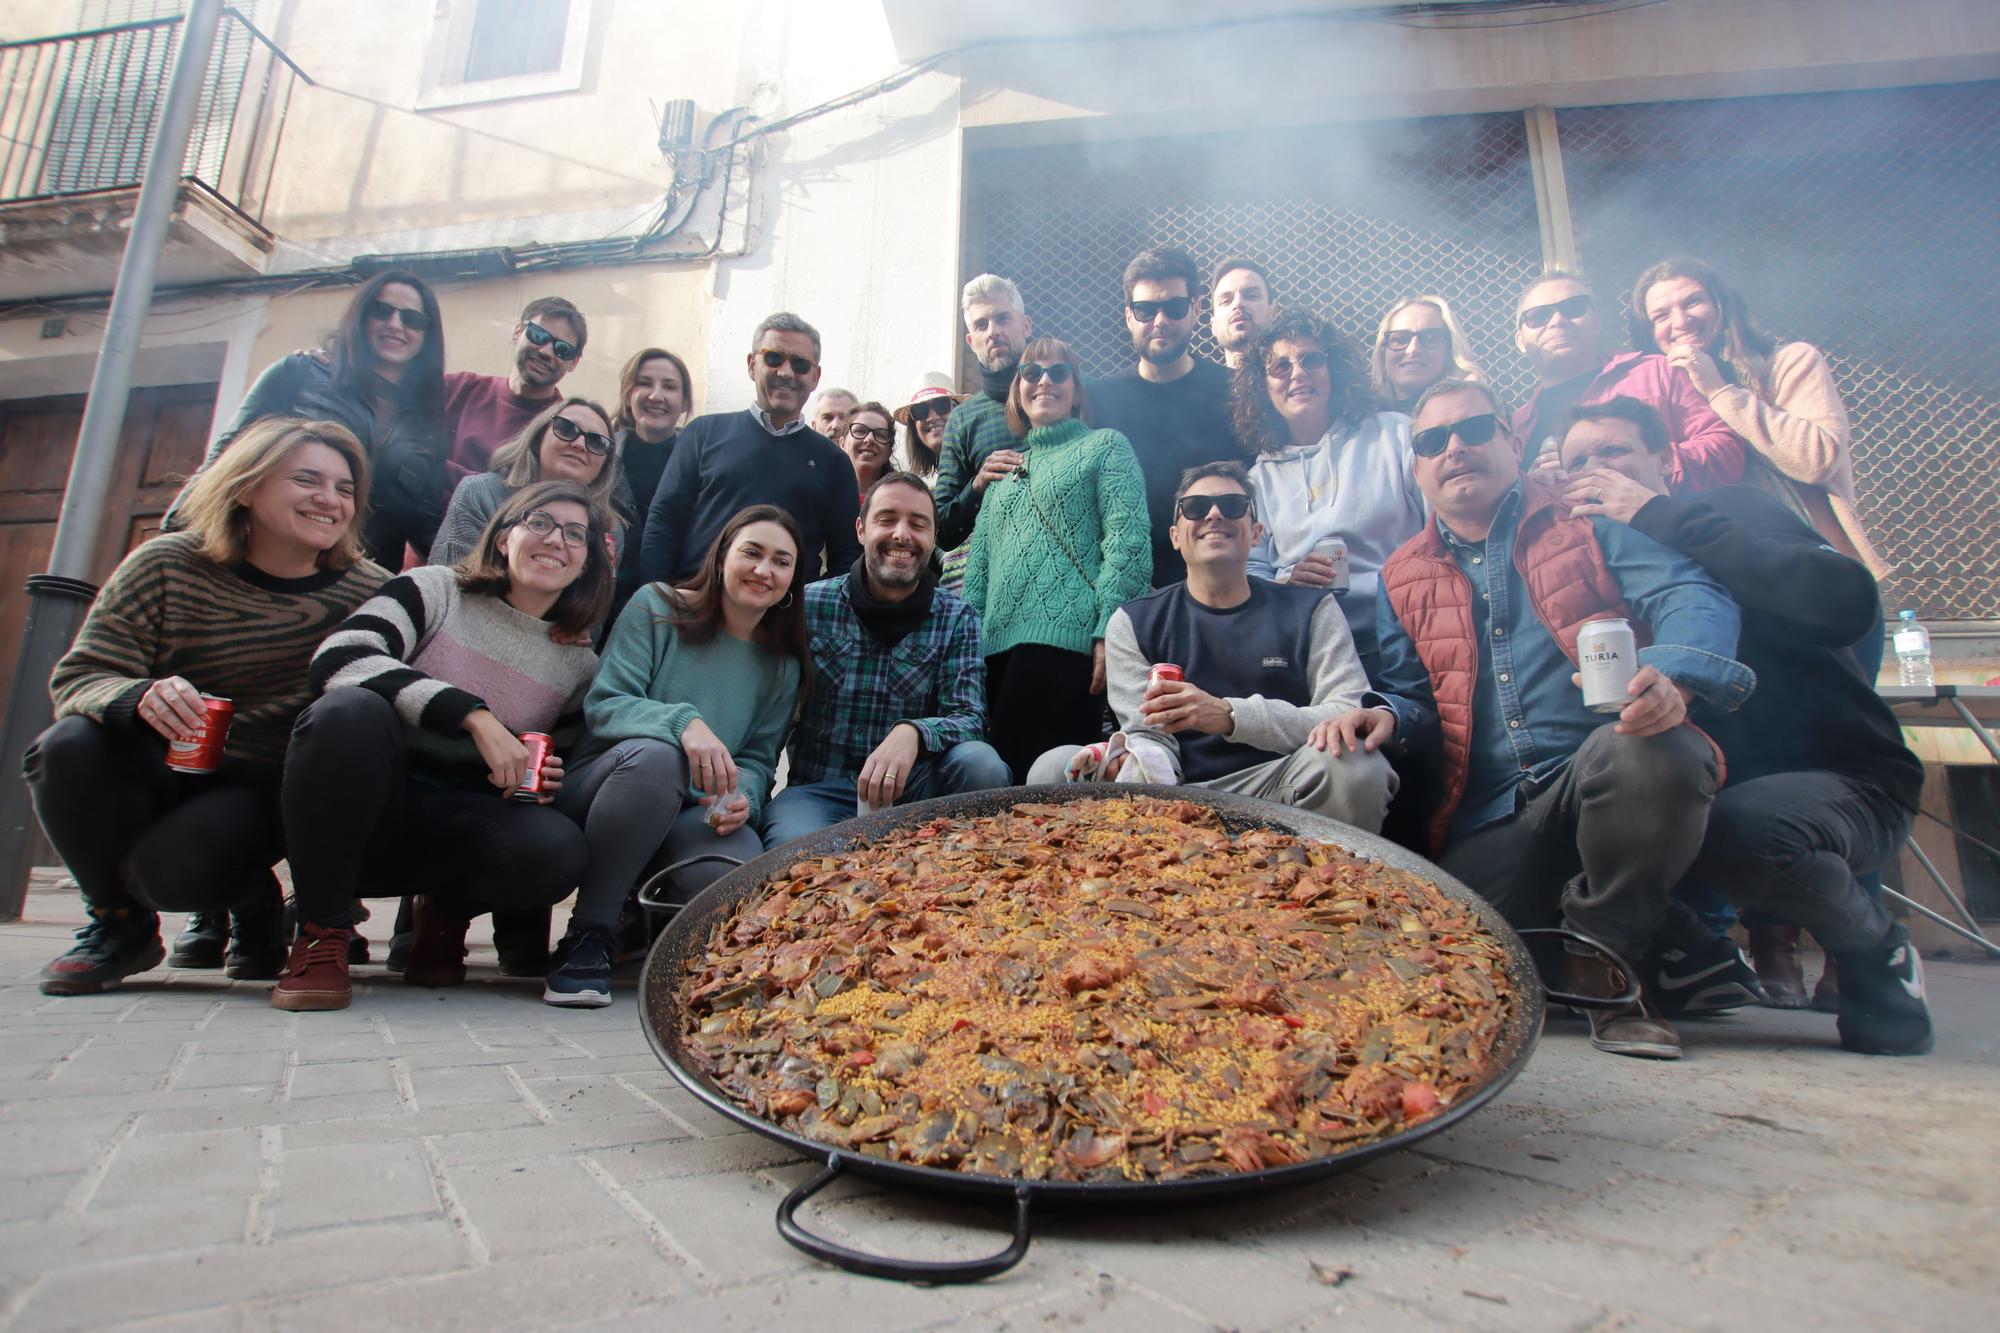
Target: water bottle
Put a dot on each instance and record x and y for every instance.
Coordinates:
(1913, 652)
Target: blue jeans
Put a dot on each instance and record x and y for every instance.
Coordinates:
(808, 807)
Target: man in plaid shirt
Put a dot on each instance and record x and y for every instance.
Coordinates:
(897, 708)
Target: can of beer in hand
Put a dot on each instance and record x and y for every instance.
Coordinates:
(1607, 656)
(1167, 671)
(540, 746)
(1335, 550)
(202, 752)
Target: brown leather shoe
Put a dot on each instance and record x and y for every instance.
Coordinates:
(315, 976)
(1637, 1029)
(1774, 952)
(437, 958)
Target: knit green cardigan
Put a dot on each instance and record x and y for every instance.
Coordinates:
(1085, 485)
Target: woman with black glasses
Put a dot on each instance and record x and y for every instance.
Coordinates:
(381, 375)
(1418, 343)
(869, 440)
(1061, 543)
(569, 442)
(1334, 485)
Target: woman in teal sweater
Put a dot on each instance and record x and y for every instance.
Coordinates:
(1060, 544)
(682, 730)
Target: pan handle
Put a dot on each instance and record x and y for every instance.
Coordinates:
(927, 1271)
(657, 881)
(1603, 950)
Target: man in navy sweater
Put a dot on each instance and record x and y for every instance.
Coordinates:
(1821, 788)
(765, 455)
(1267, 667)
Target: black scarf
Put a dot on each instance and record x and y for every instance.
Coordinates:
(998, 382)
(889, 623)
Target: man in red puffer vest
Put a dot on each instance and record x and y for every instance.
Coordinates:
(1550, 811)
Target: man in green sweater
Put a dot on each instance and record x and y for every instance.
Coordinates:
(978, 445)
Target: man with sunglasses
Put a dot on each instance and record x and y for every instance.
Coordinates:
(483, 412)
(1265, 669)
(1556, 327)
(726, 461)
(1172, 405)
(1551, 810)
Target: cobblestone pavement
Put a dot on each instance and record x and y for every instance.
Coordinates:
(179, 1155)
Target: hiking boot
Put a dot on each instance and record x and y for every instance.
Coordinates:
(201, 945)
(1775, 951)
(580, 969)
(1882, 1006)
(522, 941)
(1826, 995)
(256, 943)
(315, 976)
(117, 942)
(1636, 1029)
(437, 954)
(1706, 975)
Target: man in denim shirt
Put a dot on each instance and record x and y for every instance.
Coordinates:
(1552, 810)
(897, 707)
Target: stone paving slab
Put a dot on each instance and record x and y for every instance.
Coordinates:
(178, 1155)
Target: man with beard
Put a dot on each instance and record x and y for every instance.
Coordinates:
(764, 455)
(1240, 304)
(483, 412)
(1173, 406)
(898, 699)
(978, 446)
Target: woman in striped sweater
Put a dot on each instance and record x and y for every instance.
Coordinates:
(400, 776)
(232, 606)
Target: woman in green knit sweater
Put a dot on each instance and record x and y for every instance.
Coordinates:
(1060, 544)
(233, 607)
(683, 724)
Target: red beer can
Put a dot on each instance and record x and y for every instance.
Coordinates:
(540, 746)
(1167, 671)
(202, 753)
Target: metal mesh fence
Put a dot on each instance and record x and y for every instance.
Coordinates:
(1347, 218)
(1863, 223)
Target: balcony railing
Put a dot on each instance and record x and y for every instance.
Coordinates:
(78, 111)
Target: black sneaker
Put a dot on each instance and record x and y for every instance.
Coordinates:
(200, 947)
(521, 940)
(580, 969)
(1694, 977)
(117, 943)
(256, 943)
(1882, 1006)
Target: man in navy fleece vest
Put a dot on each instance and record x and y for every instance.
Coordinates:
(1268, 668)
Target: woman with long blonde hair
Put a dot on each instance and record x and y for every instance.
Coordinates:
(1418, 343)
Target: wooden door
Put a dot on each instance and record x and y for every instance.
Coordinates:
(165, 432)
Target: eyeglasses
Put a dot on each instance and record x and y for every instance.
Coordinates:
(1474, 431)
(879, 434)
(416, 321)
(541, 337)
(1195, 508)
(1309, 363)
(1058, 373)
(569, 432)
(800, 365)
(1176, 307)
(1571, 308)
(938, 407)
(542, 524)
(1399, 339)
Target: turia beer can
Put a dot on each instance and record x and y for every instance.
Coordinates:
(1607, 656)
(1334, 549)
(540, 746)
(202, 752)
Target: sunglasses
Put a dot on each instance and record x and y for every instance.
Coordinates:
(936, 407)
(542, 524)
(800, 365)
(1400, 339)
(879, 434)
(1176, 307)
(1059, 373)
(1309, 363)
(1195, 508)
(568, 432)
(541, 337)
(1474, 431)
(1571, 308)
(416, 321)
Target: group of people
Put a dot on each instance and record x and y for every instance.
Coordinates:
(1348, 582)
